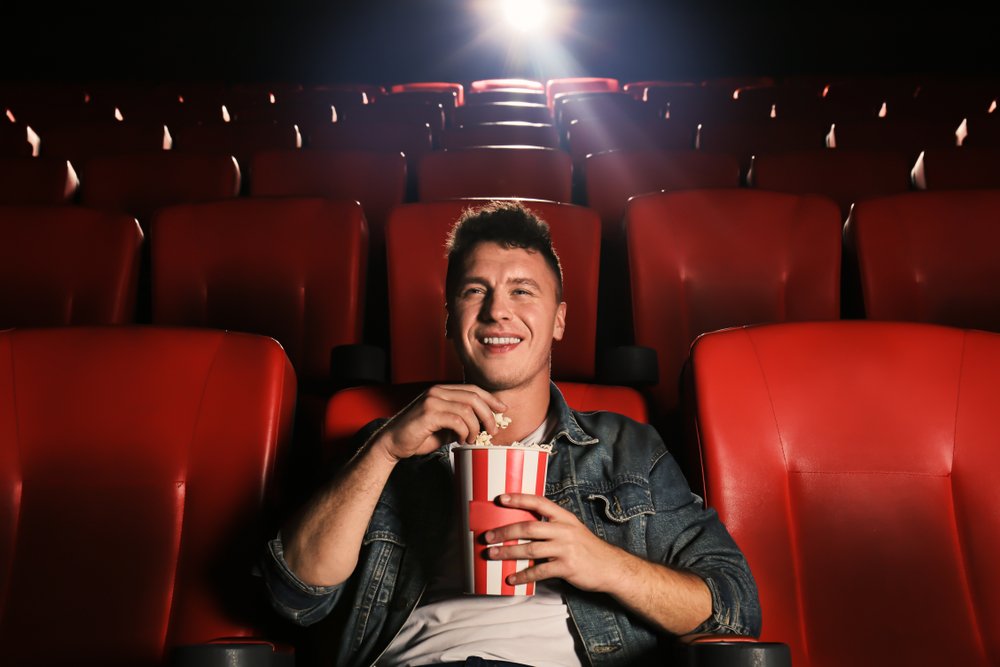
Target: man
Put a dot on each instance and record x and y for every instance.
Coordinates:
(625, 554)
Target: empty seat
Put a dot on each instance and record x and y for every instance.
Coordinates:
(983, 131)
(855, 465)
(37, 180)
(694, 104)
(82, 141)
(955, 168)
(18, 140)
(500, 112)
(435, 109)
(500, 95)
(142, 183)
(745, 139)
(590, 136)
(500, 134)
(703, 260)
(136, 466)
(415, 239)
(292, 269)
(930, 257)
(613, 177)
(905, 135)
(610, 108)
(455, 89)
(414, 140)
(843, 175)
(241, 140)
(67, 265)
(482, 85)
(529, 173)
(578, 84)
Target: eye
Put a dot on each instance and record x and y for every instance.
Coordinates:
(473, 290)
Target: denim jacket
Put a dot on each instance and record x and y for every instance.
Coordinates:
(613, 473)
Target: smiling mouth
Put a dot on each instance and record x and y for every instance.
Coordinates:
(500, 340)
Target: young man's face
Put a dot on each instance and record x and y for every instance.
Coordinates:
(504, 317)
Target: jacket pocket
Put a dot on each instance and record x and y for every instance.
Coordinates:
(623, 502)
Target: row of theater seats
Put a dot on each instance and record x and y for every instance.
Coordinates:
(695, 261)
(853, 463)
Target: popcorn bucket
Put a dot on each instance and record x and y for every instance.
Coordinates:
(483, 473)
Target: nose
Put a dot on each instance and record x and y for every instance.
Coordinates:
(495, 308)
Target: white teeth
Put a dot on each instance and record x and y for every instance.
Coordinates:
(501, 341)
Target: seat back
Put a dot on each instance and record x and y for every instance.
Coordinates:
(703, 260)
(37, 180)
(499, 171)
(292, 269)
(845, 176)
(957, 168)
(63, 265)
(511, 133)
(930, 257)
(415, 239)
(140, 184)
(134, 464)
(855, 465)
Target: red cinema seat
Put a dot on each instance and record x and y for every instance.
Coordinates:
(415, 239)
(242, 140)
(142, 183)
(744, 139)
(965, 167)
(67, 265)
(348, 411)
(895, 134)
(500, 95)
(136, 464)
(37, 180)
(414, 140)
(612, 177)
(578, 84)
(702, 260)
(591, 136)
(502, 112)
(292, 269)
(81, 141)
(500, 134)
(523, 172)
(930, 257)
(983, 130)
(843, 175)
(483, 85)
(18, 140)
(455, 89)
(855, 464)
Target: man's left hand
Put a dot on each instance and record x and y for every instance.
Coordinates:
(561, 546)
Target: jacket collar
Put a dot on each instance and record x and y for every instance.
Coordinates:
(566, 423)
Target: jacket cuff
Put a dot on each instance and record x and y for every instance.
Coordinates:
(290, 596)
(727, 617)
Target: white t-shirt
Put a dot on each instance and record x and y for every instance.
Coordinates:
(449, 625)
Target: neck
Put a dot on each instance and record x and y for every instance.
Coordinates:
(527, 407)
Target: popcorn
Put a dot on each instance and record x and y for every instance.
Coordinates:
(484, 439)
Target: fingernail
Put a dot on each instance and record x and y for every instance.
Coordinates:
(494, 552)
(489, 536)
(504, 499)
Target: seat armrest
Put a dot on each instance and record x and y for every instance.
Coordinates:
(731, 651)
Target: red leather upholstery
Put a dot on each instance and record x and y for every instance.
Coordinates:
(415, 240)
(589, 136)
(744, 139)
(528, 173)
(855, 464)
(431, 86)
(37, 180)
(78, 142)
(845, 176)
(908, 136)
(706, 259)
(613, 177)
(930, 257)
(578, 84)
(377, 180)
(957, 168)
(142, 183)
(503, 84)
(510, 133)
(501, 112)
(64, 265)
(133, 466)
(288, 268)
(351, 409)
(414, 140)
(240, 139)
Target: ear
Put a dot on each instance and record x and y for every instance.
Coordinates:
(447, 322)
(560, 325)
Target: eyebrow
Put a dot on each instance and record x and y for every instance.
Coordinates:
(476, 280)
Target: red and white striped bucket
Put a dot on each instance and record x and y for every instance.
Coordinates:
(483, 473)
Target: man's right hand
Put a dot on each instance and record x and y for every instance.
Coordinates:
(442, 414)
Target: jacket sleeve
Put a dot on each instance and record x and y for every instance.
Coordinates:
(685, 535)
(290, 596)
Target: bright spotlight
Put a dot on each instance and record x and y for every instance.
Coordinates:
(525, 15)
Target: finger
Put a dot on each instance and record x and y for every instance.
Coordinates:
(538, 504)
(438, 405)
(536, 550)
(524, 530)
(482, 403)
(537, 572)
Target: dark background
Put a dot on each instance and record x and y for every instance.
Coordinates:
(404, 40)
